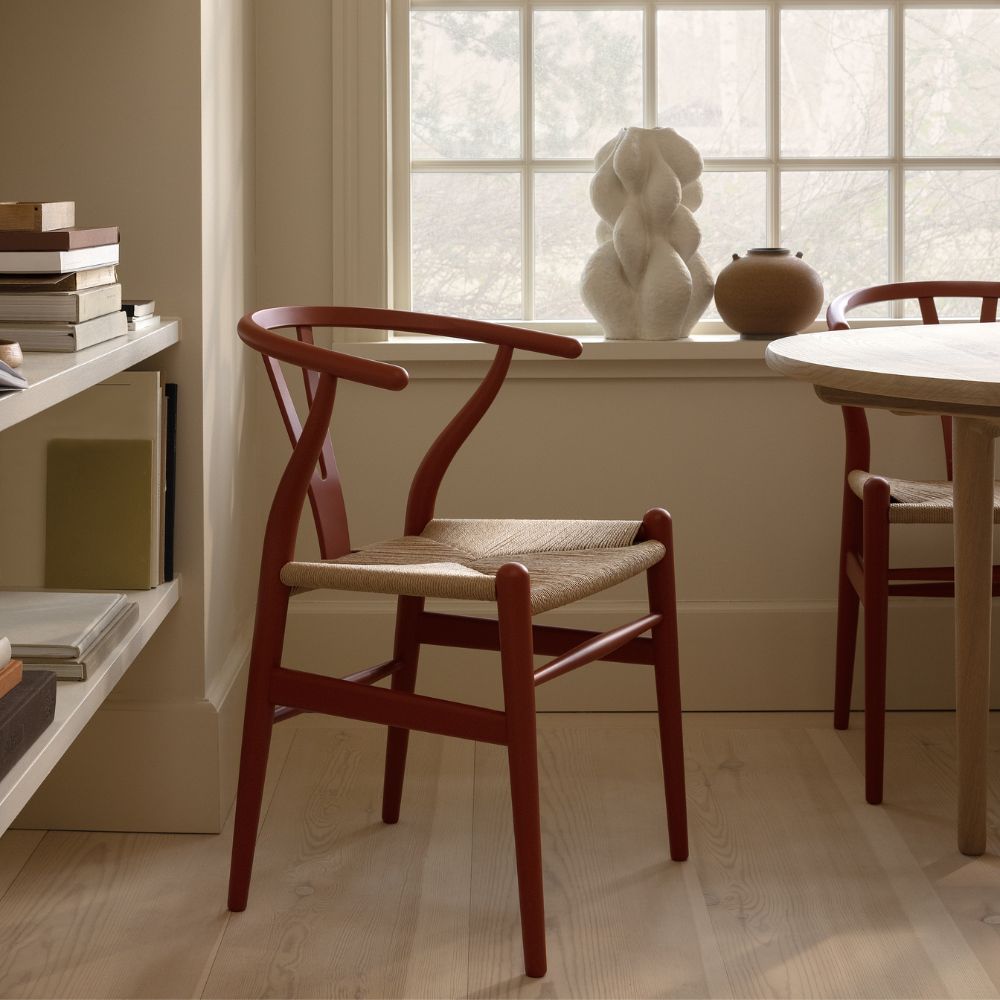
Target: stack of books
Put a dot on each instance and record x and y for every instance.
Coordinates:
(59, 287)
(27, 706)
(65, 633)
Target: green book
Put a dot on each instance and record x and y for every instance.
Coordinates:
(98, 514)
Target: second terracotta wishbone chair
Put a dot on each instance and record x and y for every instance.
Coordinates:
(525, 567)
(872, 503)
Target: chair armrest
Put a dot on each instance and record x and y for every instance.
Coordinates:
(463, 329)
(319, 359)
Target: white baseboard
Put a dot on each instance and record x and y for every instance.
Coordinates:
(735, 656)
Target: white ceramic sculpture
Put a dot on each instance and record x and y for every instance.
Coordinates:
(646, 279)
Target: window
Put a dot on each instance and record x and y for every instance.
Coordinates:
(865, 135)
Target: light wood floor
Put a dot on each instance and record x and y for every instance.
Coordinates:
(795, 887)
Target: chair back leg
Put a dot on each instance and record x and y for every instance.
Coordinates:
(666, 667)
(847, 612)
(406, 651)
(514, 607)
(258, 719)
(876, 599)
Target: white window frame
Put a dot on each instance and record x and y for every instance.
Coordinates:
(772, 163)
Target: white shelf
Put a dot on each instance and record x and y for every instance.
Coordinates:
(77, 701)
(55, 377)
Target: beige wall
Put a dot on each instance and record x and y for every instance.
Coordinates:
(232, 503)
(143, 113)
(97, 127)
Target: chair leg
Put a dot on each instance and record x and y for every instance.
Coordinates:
(666, 667)
(258, 719)
(876, 599)
(514, 606)
(406, 649)
(847, 612)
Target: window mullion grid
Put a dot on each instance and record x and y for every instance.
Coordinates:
(897, 173)
(649, 65)
(773, 124)
(527, 163)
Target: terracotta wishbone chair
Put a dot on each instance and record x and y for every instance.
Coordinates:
(872, 503)
(525, 567)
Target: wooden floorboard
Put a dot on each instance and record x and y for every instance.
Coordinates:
(342, 905)
(117, 914)
(795, 887)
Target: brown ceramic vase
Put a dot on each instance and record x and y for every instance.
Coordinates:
(768, 293)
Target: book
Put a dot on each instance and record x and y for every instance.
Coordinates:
(49, 337)
(74, 281)
(99, 519)
(11, 379)
(37, 216)
(56, 261)
(169, 478)
(5, 653)
(69, 307)
(10, 676)
(57, 239)
(24, 715)
(143, 323)
(42, 623)
(126, 406)
(137, 308)
(78, 668)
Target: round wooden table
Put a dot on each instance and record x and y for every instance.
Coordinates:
(952, 369)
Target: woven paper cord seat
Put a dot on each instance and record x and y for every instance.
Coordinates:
(918, 502)
(459, 559)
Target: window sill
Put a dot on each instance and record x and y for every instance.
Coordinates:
(701, 356)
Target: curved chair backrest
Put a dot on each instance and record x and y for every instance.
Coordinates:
(312, 468)
(925, 292)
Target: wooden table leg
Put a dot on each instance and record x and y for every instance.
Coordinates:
(973, 457)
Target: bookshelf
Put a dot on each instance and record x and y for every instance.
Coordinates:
(54, 378)
(77, 701)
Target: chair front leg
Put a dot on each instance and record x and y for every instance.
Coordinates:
(514, 607)
(258, 720)
(658, 527)
(406, 650)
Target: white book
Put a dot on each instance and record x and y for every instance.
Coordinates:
(143, 323)
(77, 668)
(65, 337)
(60, 307)
(59, 624)
(11, 378)
(57, 261)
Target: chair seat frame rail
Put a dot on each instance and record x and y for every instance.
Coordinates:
(276, 692)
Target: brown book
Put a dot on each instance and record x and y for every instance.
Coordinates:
(74, 281)
(58, 239)
(10, 676)
(37, 216)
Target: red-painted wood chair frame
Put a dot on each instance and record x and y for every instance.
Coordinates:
(276, 692)
(864, 572)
